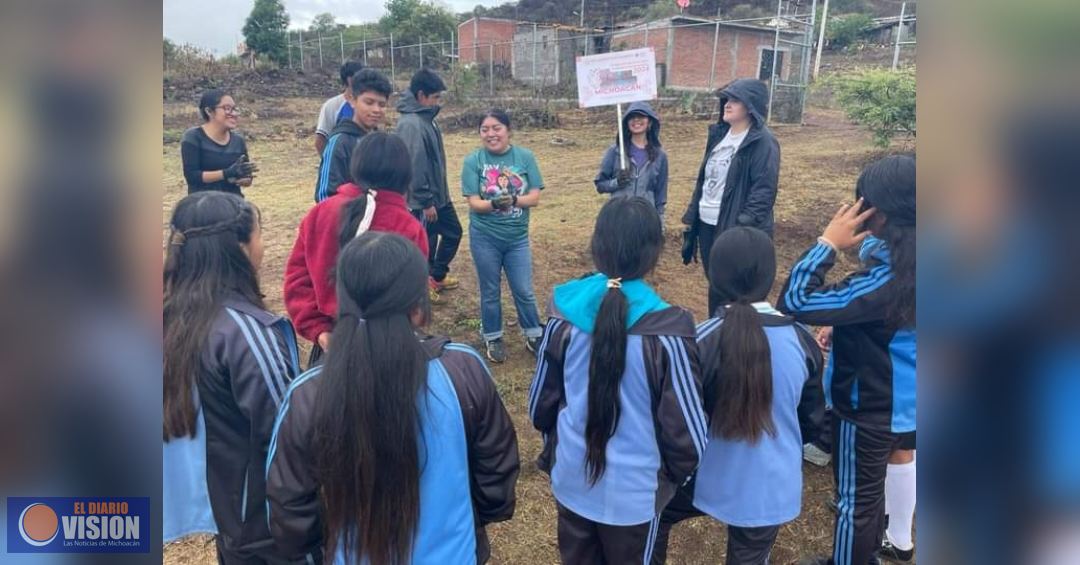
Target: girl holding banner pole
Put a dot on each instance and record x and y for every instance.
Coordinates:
(638, 167)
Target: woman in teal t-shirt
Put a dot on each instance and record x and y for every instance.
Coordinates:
(501, 182)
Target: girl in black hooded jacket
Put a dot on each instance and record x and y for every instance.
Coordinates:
(736, 185)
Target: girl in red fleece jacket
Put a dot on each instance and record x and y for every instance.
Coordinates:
(381, 163)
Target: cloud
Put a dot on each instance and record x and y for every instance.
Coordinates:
(215, 24)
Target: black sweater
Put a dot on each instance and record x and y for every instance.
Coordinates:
(200, 153)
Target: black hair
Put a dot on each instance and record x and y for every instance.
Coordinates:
(626, 244)
(367, 424)
(370, 80)
(742, 268)
(348, 69)
(204, 264)
(379, 161)
(426, 81)
(500, 115)
(888, 184)
(210, 99)
(652, 136)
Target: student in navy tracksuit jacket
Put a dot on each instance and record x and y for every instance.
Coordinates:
(368, 91)
(617, 395)
(755, 362)
(227, 364)
(870, 375)
(397, 449)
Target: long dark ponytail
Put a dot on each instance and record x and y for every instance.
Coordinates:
(367, 428)
(742, 268)
(626, 245)
(204, 263)
(379, 161)
(889, 185)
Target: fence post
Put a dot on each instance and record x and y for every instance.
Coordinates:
(646, 34)
(341, 38)
(421, 54)
(320, 50)
(491, 67)
(534, 55)
(301, 46)
(365, 48)
(392, 73)
(712, 67)
(773, 74)
(899, 32)
(288, 48)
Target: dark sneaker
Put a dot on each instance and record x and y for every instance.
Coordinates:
(892, 553)
(533, 345)
(496, 353)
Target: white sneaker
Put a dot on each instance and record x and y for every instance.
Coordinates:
(813, 454)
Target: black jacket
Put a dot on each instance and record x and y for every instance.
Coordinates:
(755, 170)
(334, 169)
(250, 360)
(417, 128)
(490, 439)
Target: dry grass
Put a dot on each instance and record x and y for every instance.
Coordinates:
(820, 163)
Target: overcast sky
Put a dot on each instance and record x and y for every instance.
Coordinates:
(216, 24)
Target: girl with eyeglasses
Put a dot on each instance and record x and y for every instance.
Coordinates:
(214, 156)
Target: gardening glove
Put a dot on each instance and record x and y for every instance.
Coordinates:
(240, 169)
(623, 178)
(502, 202)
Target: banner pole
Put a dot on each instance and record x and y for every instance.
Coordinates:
(622, 142)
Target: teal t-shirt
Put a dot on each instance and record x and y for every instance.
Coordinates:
(488, 175)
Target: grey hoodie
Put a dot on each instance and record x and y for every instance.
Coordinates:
(650, 179)
(417, 128)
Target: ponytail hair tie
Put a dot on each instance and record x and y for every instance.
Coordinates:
(177, 239)
(615, 282)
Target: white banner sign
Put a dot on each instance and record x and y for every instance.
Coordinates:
(615, 78)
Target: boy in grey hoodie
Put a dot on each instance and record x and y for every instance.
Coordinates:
(646, 172)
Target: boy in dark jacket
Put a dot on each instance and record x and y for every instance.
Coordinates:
(429, 198)
(368, 95)
(736, 185)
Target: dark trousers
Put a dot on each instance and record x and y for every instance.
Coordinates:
(584, 542)
(266, 554)
(444, 237)
(814, 416)
(860, 459)
(706, 235)
(745, 546)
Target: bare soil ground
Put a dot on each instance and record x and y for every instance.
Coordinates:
(821, 161)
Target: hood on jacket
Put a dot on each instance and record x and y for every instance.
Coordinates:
(579, 300)
(408, 104)
(348, 127)
(653, 133)
(751, 92)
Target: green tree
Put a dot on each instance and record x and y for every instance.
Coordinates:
(324, 23)
(881, 100)
(846, 30)
(415, 21)
(264, 30)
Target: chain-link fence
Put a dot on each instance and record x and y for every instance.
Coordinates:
(530, 60)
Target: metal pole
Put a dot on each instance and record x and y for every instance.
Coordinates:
(646, 34)
(392, 57)
(288, 47)
(775, 55)
(341, 38)
(365, 48)
(534, 54)
(320, 50)
(820, 40)
(491, 67)
(421, 54)
(899, 32)
(582, 23)
(622, 143)
(301, 45)
(712, 67)
(476, 48)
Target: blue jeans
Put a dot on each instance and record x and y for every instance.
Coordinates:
(491, 256)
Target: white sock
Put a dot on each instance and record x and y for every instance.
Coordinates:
(900, 504)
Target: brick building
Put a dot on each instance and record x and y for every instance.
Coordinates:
(483, 39)
(684, 51)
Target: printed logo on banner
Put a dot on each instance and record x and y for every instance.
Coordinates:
(78, 525)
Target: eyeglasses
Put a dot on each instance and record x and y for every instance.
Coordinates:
(234, 110)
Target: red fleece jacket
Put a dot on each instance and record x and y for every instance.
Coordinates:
(310, 297)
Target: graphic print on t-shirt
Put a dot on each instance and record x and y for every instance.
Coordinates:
(717, 168)
(499, 180)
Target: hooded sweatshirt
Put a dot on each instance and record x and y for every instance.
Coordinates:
(649, 179)
(334, 169)
(661, 432)
(417, 128)
(750, 190)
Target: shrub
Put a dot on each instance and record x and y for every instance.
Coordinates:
(883, 101)
(844, 31)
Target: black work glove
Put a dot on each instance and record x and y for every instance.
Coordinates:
(690, 245)
(240, 169)
(502, 202)
(623, 178)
